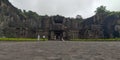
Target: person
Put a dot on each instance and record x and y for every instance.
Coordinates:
(63, 39)
(38, 37)
(44, 37)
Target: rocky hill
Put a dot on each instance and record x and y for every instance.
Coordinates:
(104, 24)
(17, 23)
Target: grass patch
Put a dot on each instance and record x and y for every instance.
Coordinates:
(106, 39)
(35, 39)
(21, 39)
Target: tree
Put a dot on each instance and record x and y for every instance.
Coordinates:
(31, 14)
(101, 9)
(79, 17)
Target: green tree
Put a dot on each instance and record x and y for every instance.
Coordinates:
(101, 10)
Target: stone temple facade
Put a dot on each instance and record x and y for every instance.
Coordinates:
(58, 28)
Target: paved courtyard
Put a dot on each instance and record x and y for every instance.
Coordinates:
(58, 50)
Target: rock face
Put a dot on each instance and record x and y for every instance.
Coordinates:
(59, 27)
(17, 23)
(100, 26)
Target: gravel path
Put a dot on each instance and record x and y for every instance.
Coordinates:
(57, 50)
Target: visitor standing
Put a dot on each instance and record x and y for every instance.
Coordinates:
(38, 37)
(44, 37)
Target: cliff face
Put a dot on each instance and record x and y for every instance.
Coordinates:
(17, 23)
(8, 16)
(101, 26)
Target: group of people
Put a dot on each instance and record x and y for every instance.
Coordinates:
(42, 37)
(61, 38)
(58, 38)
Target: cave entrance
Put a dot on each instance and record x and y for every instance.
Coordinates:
(58, 35)
(55, 35)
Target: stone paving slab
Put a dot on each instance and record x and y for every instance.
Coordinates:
(58, 50)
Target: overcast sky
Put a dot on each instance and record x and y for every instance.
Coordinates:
(68, 8)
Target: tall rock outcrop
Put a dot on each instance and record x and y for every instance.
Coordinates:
(15, 23)
(104, 24)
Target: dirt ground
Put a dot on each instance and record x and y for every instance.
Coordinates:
(58, 50)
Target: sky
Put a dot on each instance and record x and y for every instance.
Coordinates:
(67, 8)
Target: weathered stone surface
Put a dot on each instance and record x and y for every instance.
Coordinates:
(28, 24)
